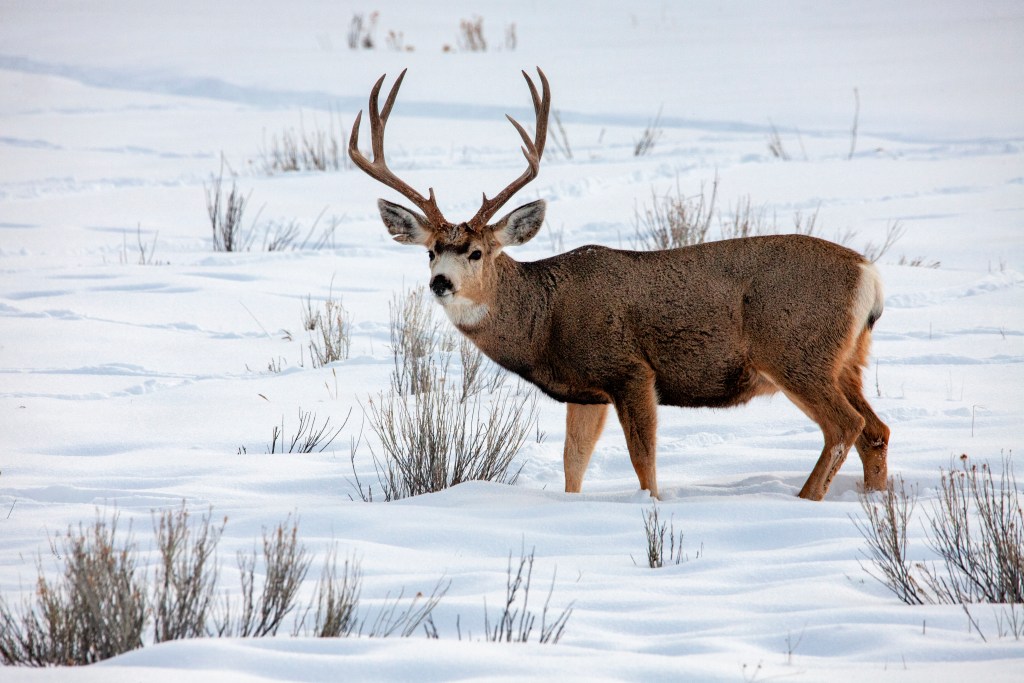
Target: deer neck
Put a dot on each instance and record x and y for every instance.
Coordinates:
(507, 317)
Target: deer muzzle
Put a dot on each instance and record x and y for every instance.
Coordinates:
(440, 285)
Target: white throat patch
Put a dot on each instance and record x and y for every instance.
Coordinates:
(464, 312)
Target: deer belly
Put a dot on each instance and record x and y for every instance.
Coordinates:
(712, 389)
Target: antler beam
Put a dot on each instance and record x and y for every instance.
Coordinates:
(378, 168)
(532, 150)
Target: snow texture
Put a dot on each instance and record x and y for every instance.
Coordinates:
(129, 388)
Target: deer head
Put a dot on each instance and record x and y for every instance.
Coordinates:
(461, 254)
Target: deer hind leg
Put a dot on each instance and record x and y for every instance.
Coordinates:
(840, 423)
(583, 425)
(637, 408)
(872, 446)
(873, 442)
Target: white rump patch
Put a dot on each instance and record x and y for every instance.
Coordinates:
(870, 298)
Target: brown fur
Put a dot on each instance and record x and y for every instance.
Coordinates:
(710, 325)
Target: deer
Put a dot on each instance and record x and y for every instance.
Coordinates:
(710, 325)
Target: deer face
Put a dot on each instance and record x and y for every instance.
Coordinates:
(462, 258)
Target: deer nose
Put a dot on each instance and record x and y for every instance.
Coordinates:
(441, 285)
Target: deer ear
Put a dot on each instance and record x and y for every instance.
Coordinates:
(405, 226)
(520, 226)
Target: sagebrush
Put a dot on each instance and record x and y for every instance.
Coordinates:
(96, 609)
(433, 440)
(308, 149)
(330, 331)
(674, 219)
(185, 581)
(105, 603)
(975, 527)
(437, 430)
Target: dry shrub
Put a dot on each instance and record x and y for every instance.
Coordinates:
(893, 233)
(918, 262)
(674, 220)
(315, 149)
(225, 214)
(655, 531)
(471, 35)
(415, 337)
(336, 599)
(559, 137)
(285, 563)
(360, 31)
(432, 440)
(436, 432)
(394, 618)
(308, 438)
(976, 527)
(479, 374)
(775, 145)
(885, 531)
(186, 577)
(330, 331)
(97, 609)
(746, 221)
(516, 622)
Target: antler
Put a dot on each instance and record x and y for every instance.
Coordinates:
(378, 168)
(533, 150)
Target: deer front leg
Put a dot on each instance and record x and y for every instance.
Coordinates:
(583, 425)
(637, 408)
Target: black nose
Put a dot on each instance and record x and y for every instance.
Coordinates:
(441, 285)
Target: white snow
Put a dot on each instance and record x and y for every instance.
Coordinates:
(128, 388)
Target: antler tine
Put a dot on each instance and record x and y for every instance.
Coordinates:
(390, 101)
(540, 105)
(380, 119)
(532, 150)
(378, 168)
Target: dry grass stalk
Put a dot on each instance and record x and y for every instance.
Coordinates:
(516, 622)
(650, 135)
(225, 214)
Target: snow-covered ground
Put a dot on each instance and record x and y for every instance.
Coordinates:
(130, 387)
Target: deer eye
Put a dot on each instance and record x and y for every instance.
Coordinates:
(430, 254)
(475, 256)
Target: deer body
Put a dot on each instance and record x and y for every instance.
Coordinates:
(701, 326)
(703, 319)
(712, 325)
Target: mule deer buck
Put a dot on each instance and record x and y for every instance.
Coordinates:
(714, 324)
